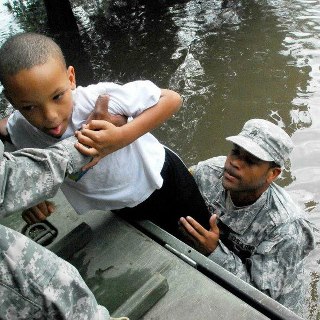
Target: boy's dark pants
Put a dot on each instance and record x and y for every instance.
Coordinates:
(178, 197)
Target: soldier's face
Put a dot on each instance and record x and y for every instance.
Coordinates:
(43, 95)
(245, 173)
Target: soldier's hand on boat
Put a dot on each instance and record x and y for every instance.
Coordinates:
(38, 213)
(205, 241)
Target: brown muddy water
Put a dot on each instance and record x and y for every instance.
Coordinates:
(255, 59)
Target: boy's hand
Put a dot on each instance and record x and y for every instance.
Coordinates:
(205, 241)
(101, 137)
(168, 103)
(38, 213)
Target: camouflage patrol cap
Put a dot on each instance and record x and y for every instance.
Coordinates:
(264, 140)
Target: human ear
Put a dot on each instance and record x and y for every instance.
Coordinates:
(273, 173)
(72, 77)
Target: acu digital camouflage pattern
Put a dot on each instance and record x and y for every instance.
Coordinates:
(265, 140)
(35, 174)
(34, 282)
(264, 243)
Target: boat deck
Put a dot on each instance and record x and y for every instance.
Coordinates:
(144, 272)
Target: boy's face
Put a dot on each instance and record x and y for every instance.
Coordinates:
(43, 95)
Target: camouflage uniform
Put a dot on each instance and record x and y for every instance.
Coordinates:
(35, 174)
(34, 282)
(264, 243)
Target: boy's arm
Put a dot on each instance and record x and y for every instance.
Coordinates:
(112, 138)
(168, 104)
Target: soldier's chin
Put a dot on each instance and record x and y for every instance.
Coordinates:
(226, 184)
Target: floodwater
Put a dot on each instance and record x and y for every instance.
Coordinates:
(254, 59)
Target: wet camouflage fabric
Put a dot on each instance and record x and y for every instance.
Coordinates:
(35, 174)
(271, 236)
(34, 282)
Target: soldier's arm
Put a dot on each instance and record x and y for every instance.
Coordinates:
(79, 303)
(59, 293)
(29, 176)
(276, 264)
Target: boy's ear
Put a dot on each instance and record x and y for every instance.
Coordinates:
(72, 77)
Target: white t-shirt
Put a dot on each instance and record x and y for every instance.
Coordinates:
(124, 178)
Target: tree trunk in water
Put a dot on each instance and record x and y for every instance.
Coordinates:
(60, 15)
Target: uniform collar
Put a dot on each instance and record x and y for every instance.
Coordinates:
(239, 219)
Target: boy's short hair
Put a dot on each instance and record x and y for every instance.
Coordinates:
(26, 50)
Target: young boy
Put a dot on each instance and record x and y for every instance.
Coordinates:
(142, 177)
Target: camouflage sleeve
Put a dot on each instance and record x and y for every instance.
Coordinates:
(68, 296)
(29, 176)
(276, 268)
(37, 284)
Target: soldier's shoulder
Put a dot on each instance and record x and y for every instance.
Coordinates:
(215, 163)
